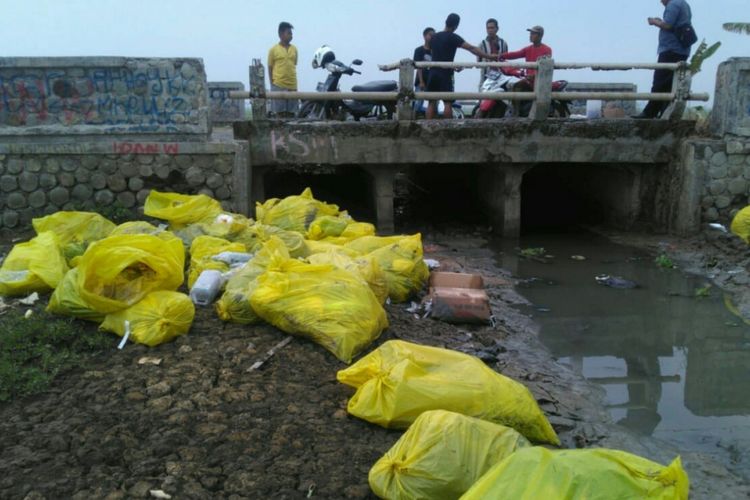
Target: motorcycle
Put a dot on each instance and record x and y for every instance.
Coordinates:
(516, 80)
(341, 109)
(495, 81)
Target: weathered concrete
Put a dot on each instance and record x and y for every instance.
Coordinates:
(102, 95)
(731, 112)
(502, 150)
(578, 107)
(223, 109)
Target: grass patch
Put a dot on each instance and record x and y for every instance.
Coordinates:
(34, 351)
(664, 261)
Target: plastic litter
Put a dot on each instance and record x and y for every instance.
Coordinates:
(399, 381)
(202, 253)
(37, 265)
(206, 287)
(403, 265)
(719, 227)
(432, 263)
(615, 281)
(30, 300)
(75, 230)
(233, 258)
(125, 335)
(181, 209)
(741, 224)
(294, 213)
(441, 456)
(67, 300)
(158, 318)
(594, 474)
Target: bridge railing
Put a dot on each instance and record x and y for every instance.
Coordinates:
(541, 96)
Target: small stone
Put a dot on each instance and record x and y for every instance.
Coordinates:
(104, 198)
(736, 159)
(159, 389)
(145, 159)
(15, 166)
(52, 166)
(8, 183)
(184, 161)
(47, 181)
(107, 166)
(69, 206)
(142, 195)
(82, 175)
(734, 170)
(223, 166)
(59, 196)
(128, 170)
(747, 159)
(737, 186)
(215, 180)
(145, 170)
(90, 162)
(708, 153)
(162, 171)
(723, 201)
(140, 490)
(161, 404)
(28, 181)
(135, 184)
(82, 192)
(734, 147)
(707, 202)
(126, 199)
(206, 192)
(711, 215)
(194, 176)
(718, 172)
(34, 166)
(719, 159)
(98, 181)
(746, 172)
(223, 193)
(10, 218)
(116, 183)
(16, 200)
(717, 187)
(68, 165)
(2, 168)
(66, 179)
(164, 159)
(37, 199)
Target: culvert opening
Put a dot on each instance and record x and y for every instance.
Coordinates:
(564, 197)
(348, 187)
(440, 197)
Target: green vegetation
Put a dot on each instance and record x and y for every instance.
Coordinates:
(741, 28)
(703, 292)
(533, 252)
(34, 351)
(664, 261)
(702, 53)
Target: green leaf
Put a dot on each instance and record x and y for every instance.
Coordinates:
(741, 28)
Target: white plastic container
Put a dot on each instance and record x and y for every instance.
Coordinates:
(206, 287)
(233, 258)
(593, 109)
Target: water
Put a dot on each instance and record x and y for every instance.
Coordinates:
(673, 366)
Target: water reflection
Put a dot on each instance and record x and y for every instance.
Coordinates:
(673, 365)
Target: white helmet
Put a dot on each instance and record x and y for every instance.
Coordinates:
(323, 56)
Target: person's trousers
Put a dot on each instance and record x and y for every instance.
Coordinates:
(662, 83)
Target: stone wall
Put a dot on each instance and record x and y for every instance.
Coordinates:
(223, 109)
(731, 112)
(102, 95)
(578, 107)
(38, 183)
(726, 168)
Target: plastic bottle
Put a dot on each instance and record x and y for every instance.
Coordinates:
(206, 287)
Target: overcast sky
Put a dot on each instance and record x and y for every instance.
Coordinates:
(227, 34)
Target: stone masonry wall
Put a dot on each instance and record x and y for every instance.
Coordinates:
(726, 177)
(102, 95)
(32, 185)
(223, 109)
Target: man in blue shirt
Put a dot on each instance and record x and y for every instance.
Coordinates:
(677, 14)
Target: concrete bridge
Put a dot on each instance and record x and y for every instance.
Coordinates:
(496, 153)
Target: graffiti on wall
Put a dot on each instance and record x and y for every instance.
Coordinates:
(147, 98)
(223, 108)
(291, 144)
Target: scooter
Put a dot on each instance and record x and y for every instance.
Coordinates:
(341, 109)
(495, 81)
(558, 109)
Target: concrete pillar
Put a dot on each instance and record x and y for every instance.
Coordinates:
(511, 202)
(383, 177)
(731, 111)
(257, 186)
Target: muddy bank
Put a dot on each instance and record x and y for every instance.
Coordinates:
(200, 425)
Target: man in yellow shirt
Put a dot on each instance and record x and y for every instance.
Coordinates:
(282, 70)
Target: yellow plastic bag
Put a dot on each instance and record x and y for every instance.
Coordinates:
(367, 244)
(202, 252)
(399, 381)
(293, 213)
(159, 317)
(181, 209)
(258, 235)
(741, 224)
(314, 247)
(441, 456)
(66, 300)
(404, 267)
(75, 230)
(35, 266)
(334, 308)
(366, 267)
(593, 474)
(234, 304)
(325, 226)
(135, 227)
(119, 271)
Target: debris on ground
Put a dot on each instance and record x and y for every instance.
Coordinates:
(615, 281)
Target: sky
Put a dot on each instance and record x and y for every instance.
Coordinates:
(228, 34)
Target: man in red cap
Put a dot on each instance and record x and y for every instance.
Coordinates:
(533, 52)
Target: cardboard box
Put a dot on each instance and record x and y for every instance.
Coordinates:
(459, 298)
